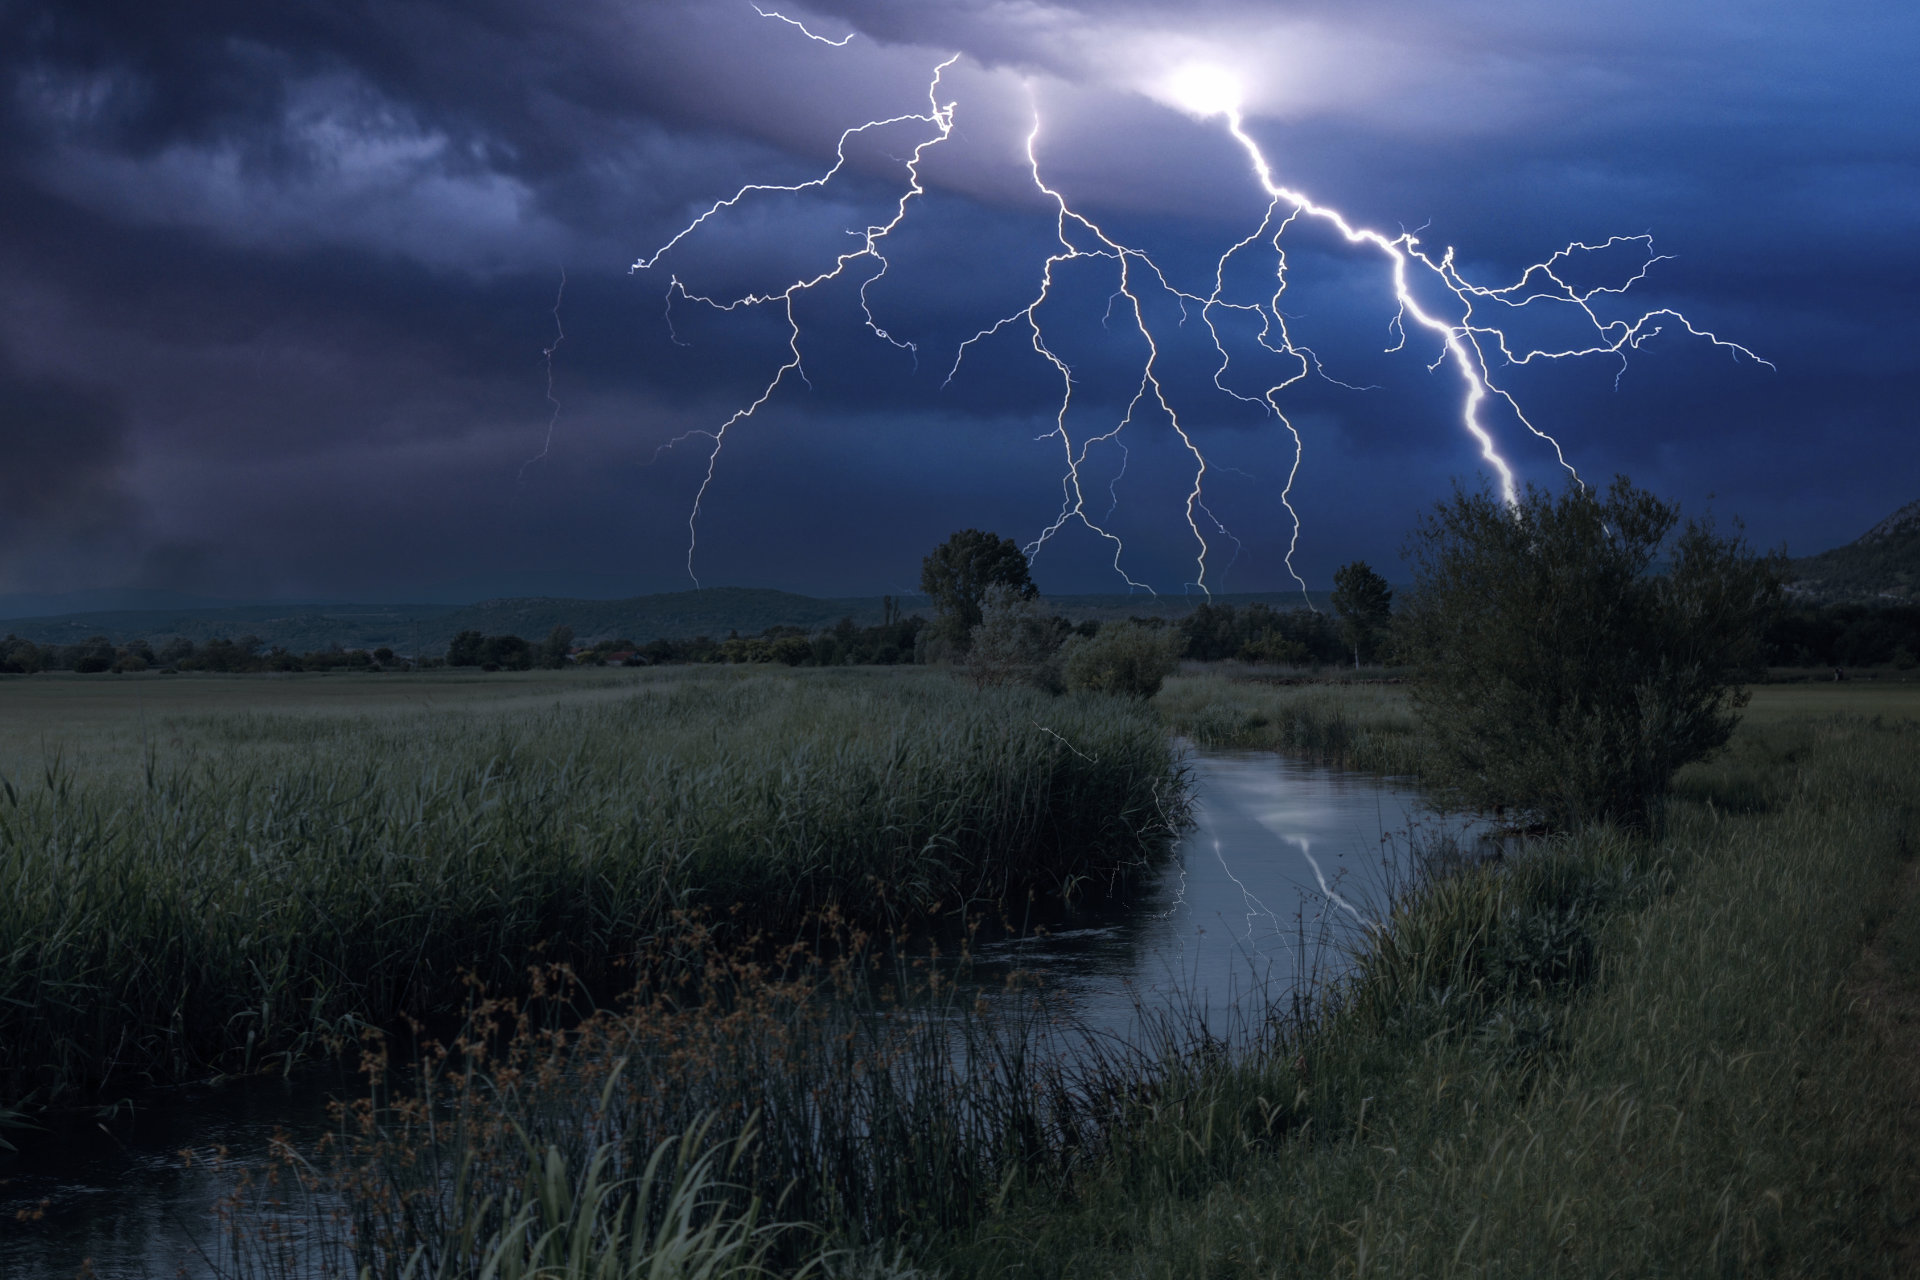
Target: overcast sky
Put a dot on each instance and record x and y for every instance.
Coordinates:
(281, 283)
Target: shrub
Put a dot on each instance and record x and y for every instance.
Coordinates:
(1014, 642)
(1123, 658)
(1557, 673)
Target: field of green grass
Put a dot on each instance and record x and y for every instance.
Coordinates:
(1364, 726)
(1682, 1054)
(204, 874)
(1604, 1056)
(101, 725)
(1609, 1056)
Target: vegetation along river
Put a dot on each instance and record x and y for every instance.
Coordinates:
(1284, 863)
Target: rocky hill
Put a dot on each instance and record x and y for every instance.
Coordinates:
(1882, 564)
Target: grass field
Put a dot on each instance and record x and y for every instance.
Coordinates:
(1609, 1055)
(104, 724)
(219, 873)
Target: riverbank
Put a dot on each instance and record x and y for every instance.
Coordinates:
(1611, 1056)
(265, 879)
(1607, 1055)
(1603, 1056)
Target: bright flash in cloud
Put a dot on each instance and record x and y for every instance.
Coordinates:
(1453, 323)
(1204, 90)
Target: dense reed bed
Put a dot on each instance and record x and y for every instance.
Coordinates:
(856, 1104)
(1610, 1056)
(1605, 1055)
(279, 879)
(1367, 727)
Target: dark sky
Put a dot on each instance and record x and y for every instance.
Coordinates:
(280, 281)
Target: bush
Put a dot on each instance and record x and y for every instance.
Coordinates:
(1123, 658)
(1557, 673)
(1014, 642)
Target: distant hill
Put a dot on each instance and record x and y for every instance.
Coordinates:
(425, 629)
(111, 599)
(1882, 564)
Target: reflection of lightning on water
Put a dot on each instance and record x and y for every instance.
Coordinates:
(1252, 903)
(1321, 876)
(1179, 896)
(1468, 331)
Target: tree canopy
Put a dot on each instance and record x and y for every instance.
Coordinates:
(1365, 604)
(958, 573)
(1570, 654)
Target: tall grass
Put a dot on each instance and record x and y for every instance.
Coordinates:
(876, 1101)
(1609, 1057)
(1350, 726)
(1606, 1055)
(285, 878)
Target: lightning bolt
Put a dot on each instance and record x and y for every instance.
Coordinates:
(1080, 238)
(939, 116)
(1463, 341)
(841, 43)
(546, 355)
(1470, 332)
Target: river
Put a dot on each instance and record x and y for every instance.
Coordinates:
(1285, 865)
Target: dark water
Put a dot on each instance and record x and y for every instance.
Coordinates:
(1283, 868)
(131, 1190)
(1286, 867)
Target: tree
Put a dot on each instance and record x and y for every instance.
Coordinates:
(1365, 604)
(1557, 671)
(464, 651)
(554, 650)
(1123, 658)
(960, 570)
(505, 653)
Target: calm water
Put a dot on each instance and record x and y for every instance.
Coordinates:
(1285, 863)
(1285, 866)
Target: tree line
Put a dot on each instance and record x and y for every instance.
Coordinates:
(1803, 636)
(245, 655)
(977, 579)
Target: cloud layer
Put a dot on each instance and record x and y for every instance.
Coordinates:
(281, 281)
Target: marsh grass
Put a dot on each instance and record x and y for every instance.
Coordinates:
(1366, 727)
(869, 1101)
(1605, 1056)
(1602, 1055)
(281, 879)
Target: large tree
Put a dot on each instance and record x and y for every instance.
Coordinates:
(1365, 604)
(959, 572)
(1571, 653)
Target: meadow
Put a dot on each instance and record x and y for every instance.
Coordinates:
(1607, 1054)
(204, 874)
(1612, 1055)
(1680, 1053)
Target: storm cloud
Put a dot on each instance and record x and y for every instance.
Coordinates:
(285, 282)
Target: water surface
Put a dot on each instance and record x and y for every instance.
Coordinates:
(1284, 866)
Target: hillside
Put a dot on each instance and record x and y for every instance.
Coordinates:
(426, 629)
(1882, 564)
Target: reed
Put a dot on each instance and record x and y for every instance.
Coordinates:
(280, 879)
(1367, 727)
(870, 1101)
(1608, 1056)
(1603, 1055)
